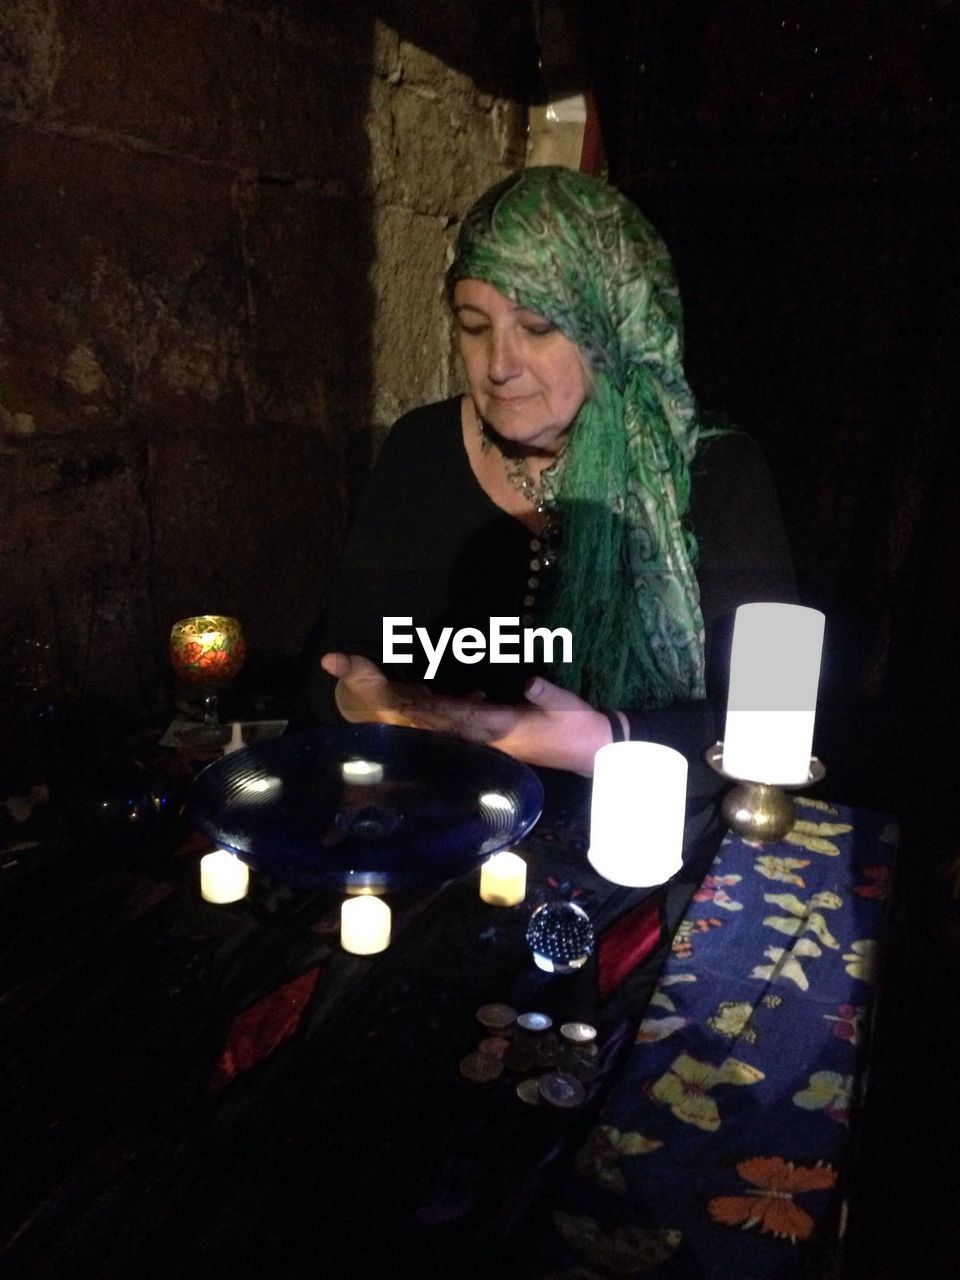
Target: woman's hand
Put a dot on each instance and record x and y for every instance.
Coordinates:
(363, 694)
(554, 728)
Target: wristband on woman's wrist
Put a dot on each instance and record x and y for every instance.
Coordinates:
(616, 725)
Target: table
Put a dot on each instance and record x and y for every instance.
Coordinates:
(724, 1146)
(196, 1090)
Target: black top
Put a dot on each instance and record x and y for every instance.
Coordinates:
(428, 544)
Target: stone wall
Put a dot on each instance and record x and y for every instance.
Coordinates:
(222, 234)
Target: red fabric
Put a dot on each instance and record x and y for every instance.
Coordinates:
(628, 941)
(256, 1032)
(592, 154)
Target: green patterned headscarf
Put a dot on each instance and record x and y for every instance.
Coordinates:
(574, 250)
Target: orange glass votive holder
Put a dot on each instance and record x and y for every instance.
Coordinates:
(208, 649)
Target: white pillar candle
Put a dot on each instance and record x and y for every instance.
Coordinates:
(223, 877)
(637, 813)
(503, 880)
(364, 925)
(772, 700)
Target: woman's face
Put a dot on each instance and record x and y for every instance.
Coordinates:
(527, 379)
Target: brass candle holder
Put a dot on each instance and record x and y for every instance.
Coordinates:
(760, 812)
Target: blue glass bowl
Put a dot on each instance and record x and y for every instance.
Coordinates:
(365, 806)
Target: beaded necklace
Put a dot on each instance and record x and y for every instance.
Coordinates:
(514, 461)
(530, 489)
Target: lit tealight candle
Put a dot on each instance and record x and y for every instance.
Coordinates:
(362, 772)
(503, 880)
(223, 877)
(364, 925)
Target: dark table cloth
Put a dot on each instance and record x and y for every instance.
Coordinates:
(724, 1145)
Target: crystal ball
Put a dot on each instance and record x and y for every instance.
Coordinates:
(560, 936)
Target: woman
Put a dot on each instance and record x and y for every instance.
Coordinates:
(572, 487)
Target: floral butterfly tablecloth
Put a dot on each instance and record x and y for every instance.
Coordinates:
(723, 1147)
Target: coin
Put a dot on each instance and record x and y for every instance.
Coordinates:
(578, 1032)
(496, 1046)
(496, 1016)
(560, 1090)
(528, 1091)
(535, 1022)
(480, 1067)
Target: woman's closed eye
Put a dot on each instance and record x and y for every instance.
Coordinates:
(537, 329)
(474, 322)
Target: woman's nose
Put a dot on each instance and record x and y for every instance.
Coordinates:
(504, 360)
